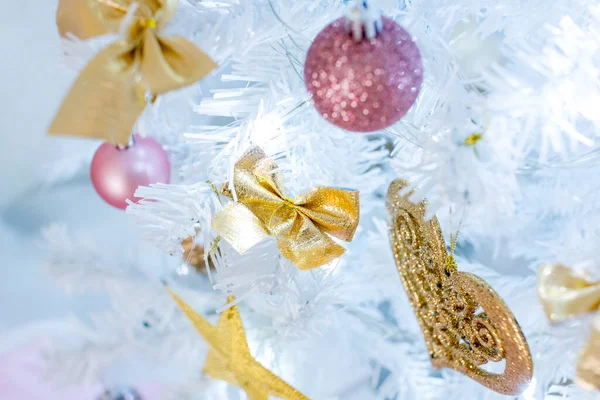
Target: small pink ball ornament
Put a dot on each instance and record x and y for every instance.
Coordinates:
(364, 73)
(116, 173)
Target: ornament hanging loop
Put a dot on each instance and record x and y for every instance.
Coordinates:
(363, 20)
(128, 145)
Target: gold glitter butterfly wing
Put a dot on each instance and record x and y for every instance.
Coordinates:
(418, 253)
(498, 337)
(447, 303)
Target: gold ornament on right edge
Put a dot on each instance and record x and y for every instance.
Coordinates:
(464, 321)
(566, 293)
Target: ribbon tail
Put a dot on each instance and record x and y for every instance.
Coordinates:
(172, 63)
(335, 211)
(314, 254)
(301, 242)
(563, 293)
(588, 366)
(239, 226)
(103, 103)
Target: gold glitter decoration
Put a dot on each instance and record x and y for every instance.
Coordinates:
(301, 226)
(110, 93)
(472, 139)
(464, 321)
(229, 358)
(564, 294)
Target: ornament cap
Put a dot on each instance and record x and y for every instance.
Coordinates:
(363, 20)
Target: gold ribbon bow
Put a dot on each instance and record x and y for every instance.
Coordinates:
(564, 294)
(300, 226)
(110, 93)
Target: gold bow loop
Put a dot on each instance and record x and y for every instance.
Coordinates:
(110, 93)
(301, 226)
(565, 293)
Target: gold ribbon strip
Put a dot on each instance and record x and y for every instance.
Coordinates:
(229, 358)
(565, 294)
(301, 226)
(110, 93)
(464, 321)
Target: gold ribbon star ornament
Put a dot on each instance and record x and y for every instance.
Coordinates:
(110, 93)
(564, 294)
(301, 226)
(230, 360)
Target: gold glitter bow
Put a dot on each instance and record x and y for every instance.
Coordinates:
(110, 93)
(564, 294)
(448, 302)
(230, 360)
(300, 226)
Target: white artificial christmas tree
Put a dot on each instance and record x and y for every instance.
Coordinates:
(502, 141)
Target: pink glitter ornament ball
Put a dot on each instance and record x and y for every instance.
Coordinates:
(367, 85)
(117, 173)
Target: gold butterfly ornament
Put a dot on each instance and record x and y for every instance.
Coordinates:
(464, 321)
(110, 93)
